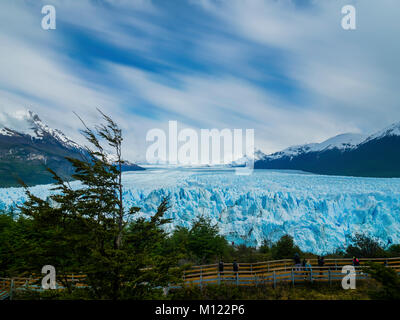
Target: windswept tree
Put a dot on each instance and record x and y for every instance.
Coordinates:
(363, 246)
(284, 248)
(86, 227)
(202, 243)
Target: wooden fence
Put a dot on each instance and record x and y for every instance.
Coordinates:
(9, 285)
(272, 272)
(249, 274)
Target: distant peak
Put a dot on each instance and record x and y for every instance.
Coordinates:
(32, 115)
(392, 130)
(258, 154)
(27, 122)
(341, 142)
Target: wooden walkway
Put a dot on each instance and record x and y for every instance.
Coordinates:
(249, 274)
(273, 272)
(9, 285)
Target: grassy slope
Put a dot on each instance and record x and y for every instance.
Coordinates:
(316, 291)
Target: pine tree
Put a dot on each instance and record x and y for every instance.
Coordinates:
(86, 229)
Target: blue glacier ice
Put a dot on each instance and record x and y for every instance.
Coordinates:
(320, 212)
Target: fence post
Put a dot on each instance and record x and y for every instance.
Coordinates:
(329, 277)
(274, 279)
(292, 277)
(12, 289)
(201, 277)
(335, 264)
(219, 278)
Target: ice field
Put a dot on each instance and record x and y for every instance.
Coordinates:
(320, 212)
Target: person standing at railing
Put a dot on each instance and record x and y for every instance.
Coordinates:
(297, 262)
(303, 267)
(296, 258)
(221, 267)
(235, 268)
(321, 262)
(356, 263)
(307, 267)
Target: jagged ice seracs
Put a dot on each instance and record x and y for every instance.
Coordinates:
(320, 212)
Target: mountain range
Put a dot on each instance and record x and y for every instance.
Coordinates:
(27, 149)
(26, 152)
(376, 155)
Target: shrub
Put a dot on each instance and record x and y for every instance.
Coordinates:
(388, 279)
(365, 247)
(284, 248)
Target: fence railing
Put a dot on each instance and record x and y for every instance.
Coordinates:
(276, 271)
(9, 285)
(249, 274)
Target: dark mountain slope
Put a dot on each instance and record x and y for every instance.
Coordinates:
(376, 156)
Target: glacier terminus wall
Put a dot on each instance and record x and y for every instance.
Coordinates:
(320, 212)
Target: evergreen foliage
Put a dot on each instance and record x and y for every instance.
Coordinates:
(388, 279)
(364, 246)
(89, 230)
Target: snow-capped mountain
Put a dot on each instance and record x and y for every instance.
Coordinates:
(126, 166)
(29, 124)
(340, 142)
(28, 146)
(258, 155)
(391, 131)
(375, 155)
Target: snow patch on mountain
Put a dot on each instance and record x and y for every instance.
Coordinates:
(26, 122)
(392, 130)
(6, 132)
(342, 142)
(258, 155)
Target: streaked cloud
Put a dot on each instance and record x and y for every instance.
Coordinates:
(284, 68)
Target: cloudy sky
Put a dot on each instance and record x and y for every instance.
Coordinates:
(285, 68)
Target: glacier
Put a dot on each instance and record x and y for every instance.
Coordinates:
(320, 212)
